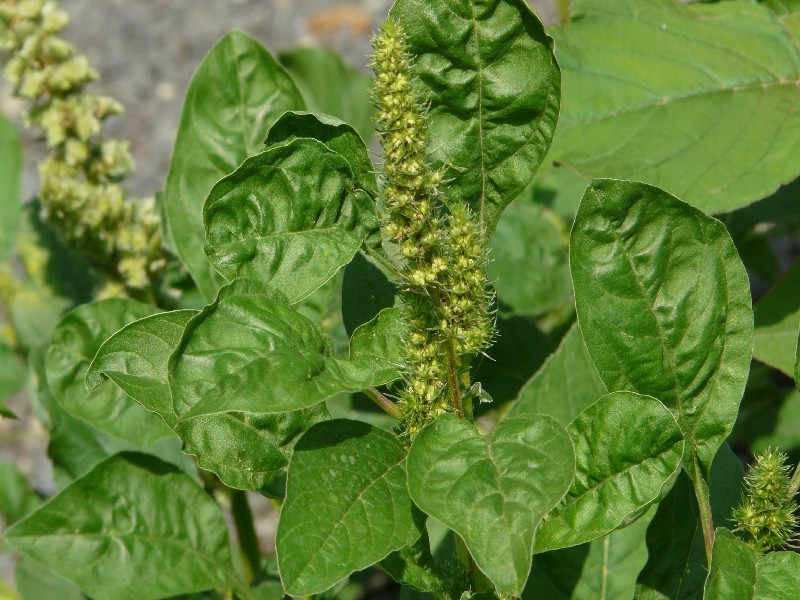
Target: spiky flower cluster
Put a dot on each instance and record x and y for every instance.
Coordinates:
(767, 511)
(446, 299)
(79, 180)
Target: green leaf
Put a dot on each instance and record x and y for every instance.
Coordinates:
(366, 290)
(414, 566)
(290, 216)
(36, 582)
(250, 352)
(16, 497)
(566, 384)
(237, 92)
(335, 134)
(628, 452)
(777, 316)
(10, 176)
(778, 576)
(782, 7)
(676, 566)
(330, 86)
(347, 505)
(528, 267)
(112, 533)
(75, 341)
(11, 374)
(784, 432)
(492, 490)
(493, 87)
(606, 568)
(246, 452)
(698, 99)
(732, 575)
(664, 305)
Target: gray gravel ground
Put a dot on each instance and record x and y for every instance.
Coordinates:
(146, 52)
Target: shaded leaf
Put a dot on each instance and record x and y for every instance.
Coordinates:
(347, 505)
(628, 451)
(235, 95)
(10, 179)
(777, 316)
(366, 290)
(492, 490)
(112, 534)
(330, 86)
(75, 341)
(732, 573)
(16, 497)
(493, 87)
(676, 565)
(289, 216)
(414, 566)
(664, 305)
(11, 375)
(566, 384)
(652, 91)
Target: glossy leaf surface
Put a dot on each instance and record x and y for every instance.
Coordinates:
(237, 92)
(112, 533)
(698, 99)
(347, 505)
(628, 451)
(245, 451)
(492, 490)
(493, 87)
(290, 216)
(566, 384)
(251, 352)
(74, 343)
(663, 301)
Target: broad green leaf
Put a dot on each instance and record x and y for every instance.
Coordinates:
(782, 7)
(36, 582)
(528, 265)
(792, 23)
(664, 306)
(778, 576)
(493, 87)
(237, 92)
(732, 574)
(366, 290)
(75, 341)
(330, 86)
(785, 430)
(290, 216)
(492, 490)
(698, 99)
(558, 188)
(16, 497)
(414, 566)
(112, 533)
(10, 177)
(676, 565)
(566, 384)
(11, 375)
(250, 352)
(347, 505)
(246, 452)
(628, 451)
(519, 351)
(777, 316)
(335, 134)
(604, 569)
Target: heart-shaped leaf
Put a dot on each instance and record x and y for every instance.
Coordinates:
(664, 306)
(290, 216)
(133, 526)
(628, 451)
(347, 505)
(493, 87)
(235, 95)
(492, 490)
(245, 452)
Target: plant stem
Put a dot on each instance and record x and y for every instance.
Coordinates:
(382, 401)
(703, 502)
(245, 531)
(563, 11)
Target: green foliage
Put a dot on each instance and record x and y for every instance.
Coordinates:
(541, 380)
